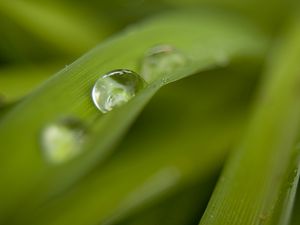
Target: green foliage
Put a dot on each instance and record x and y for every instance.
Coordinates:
(257, 193)
(155, 159)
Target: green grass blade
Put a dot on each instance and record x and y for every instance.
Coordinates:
(257, 186)
(18, 81)
(147, 150)
(296, 213)
(147, 171)
(55, 24)
(181, 209)
(68, 94)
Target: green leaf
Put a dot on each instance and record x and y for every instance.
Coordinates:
(204, 36)
(149, 169)
(258, 183)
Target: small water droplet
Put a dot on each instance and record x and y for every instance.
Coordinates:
(116, 88)
(62, 140)
(164, 80)
(222, 59)
(161, 59)
(67, 68)
(263, 217)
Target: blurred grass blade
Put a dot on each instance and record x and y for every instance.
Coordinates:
(147, 171)
(258, 183)
(296, 213)
(180, 209)
(270, 16)
(54, 24)
(68, 95)
(18, 81)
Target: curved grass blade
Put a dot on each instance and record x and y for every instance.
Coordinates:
(258, 183)
(146, 172)
(68, 94)
(147, 153)
(55, 24)
(181, 209)
(17, 81)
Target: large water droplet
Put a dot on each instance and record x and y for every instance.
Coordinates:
(62, 140)
(116, 88)
(161, 59)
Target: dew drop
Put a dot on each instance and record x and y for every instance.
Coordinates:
(115, 89)
(161, 59)
(61, 141)
(221, 59)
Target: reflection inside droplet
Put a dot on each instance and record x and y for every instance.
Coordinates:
(161, 60)
(62, 140)
(116, 88)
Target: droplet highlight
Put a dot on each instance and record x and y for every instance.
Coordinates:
(62, 141)
(115, 89)
(160, 60)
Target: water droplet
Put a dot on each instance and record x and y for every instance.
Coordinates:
(116, 88)
(221, 58)
(164, 80)
(62, 140)
(161, 59)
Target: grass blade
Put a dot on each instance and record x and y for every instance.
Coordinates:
(54, 24)
(257, 184)
(156, 170)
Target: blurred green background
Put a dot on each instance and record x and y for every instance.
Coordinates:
(40, 37)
